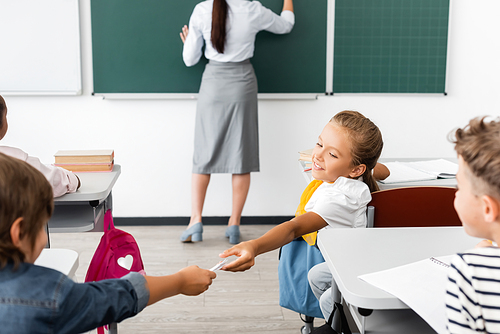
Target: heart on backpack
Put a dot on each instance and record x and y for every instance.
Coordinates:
(126, 262)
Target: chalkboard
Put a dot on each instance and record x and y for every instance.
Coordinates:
(40, 47)
(136, 48)
(390, 46)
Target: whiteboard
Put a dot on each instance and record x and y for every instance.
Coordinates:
(40, 47)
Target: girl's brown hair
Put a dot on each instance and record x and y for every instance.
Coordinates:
(366, 142)
(219, 17)
(26, 193)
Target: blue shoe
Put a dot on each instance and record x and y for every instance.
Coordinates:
(233, 233)
(193, 234)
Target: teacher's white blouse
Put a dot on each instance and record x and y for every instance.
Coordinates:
(245, 20)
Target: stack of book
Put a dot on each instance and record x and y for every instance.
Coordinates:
(85, 160)
(306, 158)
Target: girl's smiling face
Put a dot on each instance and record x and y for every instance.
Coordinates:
(331, 156)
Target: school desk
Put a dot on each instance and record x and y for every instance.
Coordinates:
(63, 260)
(84, 209)
(353, 252)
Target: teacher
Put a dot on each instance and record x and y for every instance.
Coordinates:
(226, 131)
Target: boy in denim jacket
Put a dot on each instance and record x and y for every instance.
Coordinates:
(36, 299)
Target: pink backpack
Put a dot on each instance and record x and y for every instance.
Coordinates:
(117, 254)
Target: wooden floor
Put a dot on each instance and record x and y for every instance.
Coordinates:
(235, 303)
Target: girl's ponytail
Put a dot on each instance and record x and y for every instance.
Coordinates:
(219, 17)
(370, 180)
(366, 142)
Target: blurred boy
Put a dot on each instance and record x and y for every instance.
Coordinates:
(36, 299)
(473, 290)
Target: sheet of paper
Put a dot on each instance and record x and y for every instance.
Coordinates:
(400, 172)
(439, 167)
(420, 285)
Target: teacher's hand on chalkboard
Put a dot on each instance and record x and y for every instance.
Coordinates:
(184, 33)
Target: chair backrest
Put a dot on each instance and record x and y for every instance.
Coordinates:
(413, 207)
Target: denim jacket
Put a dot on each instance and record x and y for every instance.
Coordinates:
(36, 299)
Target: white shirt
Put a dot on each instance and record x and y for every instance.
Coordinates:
(473, 292)
(342, 203)
(61, 180)
(245, 20)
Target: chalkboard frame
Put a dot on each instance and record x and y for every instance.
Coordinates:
(330, 58)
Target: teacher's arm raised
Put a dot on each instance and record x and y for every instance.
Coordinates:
(288, 5)
(192, 38)
(274, 23)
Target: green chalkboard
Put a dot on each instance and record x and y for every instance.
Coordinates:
(390, 46)
(136, 48)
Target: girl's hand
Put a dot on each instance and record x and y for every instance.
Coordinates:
(195, 280)
(246, 257)
(184, 33)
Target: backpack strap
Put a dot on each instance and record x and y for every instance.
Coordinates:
(108, 221)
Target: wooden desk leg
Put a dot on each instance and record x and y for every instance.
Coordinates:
(336, 297)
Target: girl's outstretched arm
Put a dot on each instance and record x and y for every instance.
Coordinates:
(276, 237)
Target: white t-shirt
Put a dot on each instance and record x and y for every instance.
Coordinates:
(342, 203)
(245, 20)
(61, 180)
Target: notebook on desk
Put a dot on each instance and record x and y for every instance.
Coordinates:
(420, 170)
(420, 285)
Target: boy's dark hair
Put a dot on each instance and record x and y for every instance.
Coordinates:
(366, 142)
(478, 143)
(26, 193)
(3, 107)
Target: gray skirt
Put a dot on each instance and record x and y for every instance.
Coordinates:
(226, 136)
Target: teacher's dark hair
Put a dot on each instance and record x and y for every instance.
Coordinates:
(219, 16)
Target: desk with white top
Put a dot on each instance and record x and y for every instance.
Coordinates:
(84, 209)
(353, 252)
(63, 260)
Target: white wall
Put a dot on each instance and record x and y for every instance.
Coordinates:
(153, 139)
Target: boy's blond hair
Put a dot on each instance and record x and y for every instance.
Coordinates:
(26, 193)
(478, 144)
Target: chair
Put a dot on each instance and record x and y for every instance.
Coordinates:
(413, 207)
(408, 207)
